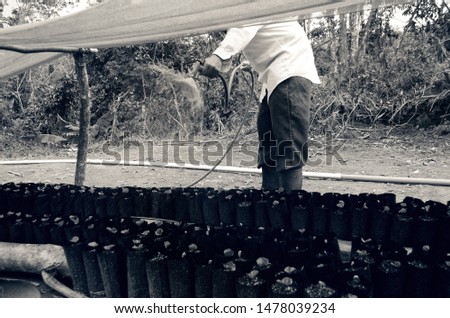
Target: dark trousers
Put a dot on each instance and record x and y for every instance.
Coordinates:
(283, 125)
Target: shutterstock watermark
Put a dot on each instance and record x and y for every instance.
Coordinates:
(193, 150)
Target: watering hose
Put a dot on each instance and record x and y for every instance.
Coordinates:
(227, 92)
(59, 287)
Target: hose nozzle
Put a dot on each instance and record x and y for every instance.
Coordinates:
(197, 68)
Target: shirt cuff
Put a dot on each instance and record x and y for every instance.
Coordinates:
(225, 52)
(226, 62)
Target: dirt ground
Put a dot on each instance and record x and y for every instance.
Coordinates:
(415, 154)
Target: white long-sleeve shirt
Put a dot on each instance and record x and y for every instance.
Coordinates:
(277, 51)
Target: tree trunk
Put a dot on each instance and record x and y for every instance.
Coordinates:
(143, 107)
(355, 27)
(367, 26)
(85, 114)
(332, 48)
(31, 85)
(343, 44)
(114, 131)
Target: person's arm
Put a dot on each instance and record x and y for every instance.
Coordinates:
(233, 43)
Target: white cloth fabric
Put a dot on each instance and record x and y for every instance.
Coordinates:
(276, 50)
(114, 23)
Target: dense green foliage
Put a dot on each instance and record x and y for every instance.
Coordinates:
(371, 74)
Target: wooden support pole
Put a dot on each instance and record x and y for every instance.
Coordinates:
(85, 115)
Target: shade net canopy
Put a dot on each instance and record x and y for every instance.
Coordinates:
(115, 23)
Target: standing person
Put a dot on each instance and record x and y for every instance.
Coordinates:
(282, 55)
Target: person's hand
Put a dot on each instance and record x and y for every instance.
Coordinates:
(212, 66)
